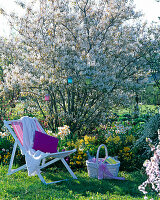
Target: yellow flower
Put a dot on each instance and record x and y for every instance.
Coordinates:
(116, 139)
(126, 149)
(78, 162)
(92, 139)
(89, 139)
(79, 157)
(86, 138)
(69, 143)
(81, 141)
(72, 143)
(80, 152)
(109, 139)
(130, 138)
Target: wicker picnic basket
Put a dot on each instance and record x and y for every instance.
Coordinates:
(93, 167)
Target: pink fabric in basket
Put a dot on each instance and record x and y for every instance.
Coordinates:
(104, 170)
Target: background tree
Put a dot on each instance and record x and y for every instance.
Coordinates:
(152, 54)
(94, 44)
(8, 95)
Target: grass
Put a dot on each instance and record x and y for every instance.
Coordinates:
(20, 186)
(144, 109)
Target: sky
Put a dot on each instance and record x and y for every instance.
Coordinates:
(150, 8)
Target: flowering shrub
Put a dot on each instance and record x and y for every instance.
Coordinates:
(90, 144)
(4, 150)
(78, 160)
(127, 158)
(114, 143)
(117, 145)
(78, 44)
(119, 138)
(119, 128)
(126, 127)
(6, 146)
(3, 134)
(63, 131)
(4, 112)
(152, 169)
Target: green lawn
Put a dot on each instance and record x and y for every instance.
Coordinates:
(20, 186)
(144, 109)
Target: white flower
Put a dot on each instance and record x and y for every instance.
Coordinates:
(63, 131)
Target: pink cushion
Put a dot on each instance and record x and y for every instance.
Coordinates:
(45, 143)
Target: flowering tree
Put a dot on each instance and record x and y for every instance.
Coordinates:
(152, 54)
(8, 95)
(90, 42)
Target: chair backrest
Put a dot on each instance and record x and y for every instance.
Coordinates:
(18, 128)
(39, 127)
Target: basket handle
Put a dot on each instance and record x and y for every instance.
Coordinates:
(97, 156)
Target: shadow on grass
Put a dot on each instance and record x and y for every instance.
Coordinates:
(20, 186)
(85, 185)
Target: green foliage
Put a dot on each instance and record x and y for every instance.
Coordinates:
(151, 95)
(119, 137)
(141, 149)
(6, 147)
(5, 150)
(149, 131)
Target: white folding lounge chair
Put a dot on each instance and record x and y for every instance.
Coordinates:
(16, 129)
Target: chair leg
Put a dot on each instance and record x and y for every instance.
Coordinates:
(43, 161)
(12, 157)
(55, 160)
(49, 163)
(10, 170)
(68, 168)
(43, 181)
